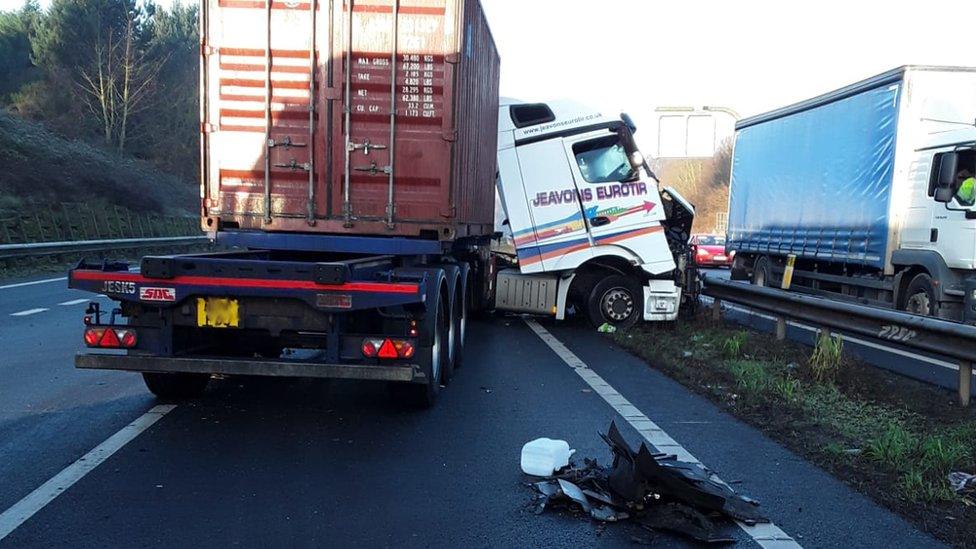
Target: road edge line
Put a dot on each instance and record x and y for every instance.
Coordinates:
(20, 512)
(32, 283)
(766, 535)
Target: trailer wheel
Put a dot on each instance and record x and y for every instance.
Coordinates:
(920, 297)
(176, 386)
(617, 300)
(432, 360)
(463, 304)
(761, 272)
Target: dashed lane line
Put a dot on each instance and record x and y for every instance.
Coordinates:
(74, 302)
(29, 312)
(22, 284)
(766, 535)
(24, 509)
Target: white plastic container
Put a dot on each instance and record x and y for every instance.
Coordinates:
(543, 456)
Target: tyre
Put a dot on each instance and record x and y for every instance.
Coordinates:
(431, 358)
(463, 304)
(176, 386)
(762, 272)
(616, 300)
(453, 342)
(920, 297)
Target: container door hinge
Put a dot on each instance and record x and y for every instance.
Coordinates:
(206, 50)
(286, 143)
(373, 169)
(293, 165)
(453, 58)
(365, 146)
(207, 128)
(450, 136)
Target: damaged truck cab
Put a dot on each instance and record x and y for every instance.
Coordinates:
(590, 227)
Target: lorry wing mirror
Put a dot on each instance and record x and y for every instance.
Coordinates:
(629, 122)
(946, 178)
(943, 194)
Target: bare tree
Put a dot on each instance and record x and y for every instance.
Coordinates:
(120, 81)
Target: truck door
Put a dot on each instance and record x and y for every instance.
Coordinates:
(259, 125)
(554, 207)
(953, 232)
(617, 203)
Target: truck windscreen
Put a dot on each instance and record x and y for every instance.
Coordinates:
(604, 160)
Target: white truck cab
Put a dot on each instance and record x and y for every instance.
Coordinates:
(587, 219)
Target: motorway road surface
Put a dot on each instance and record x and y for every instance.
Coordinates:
(313, 463)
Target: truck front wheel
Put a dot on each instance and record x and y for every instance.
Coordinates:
(920, 297)
(176, 386)
(617, 300)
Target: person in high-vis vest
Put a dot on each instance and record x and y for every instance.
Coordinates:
(966, 194)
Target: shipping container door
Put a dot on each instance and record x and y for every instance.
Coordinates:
(397, 122)
(260, 63)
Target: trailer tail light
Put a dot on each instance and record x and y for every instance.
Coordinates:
(110, 338)
(404, 348)
(369, 348)
(387, 348)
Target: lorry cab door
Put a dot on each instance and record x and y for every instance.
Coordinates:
(619, 205)
(555, 211)
(953, 232)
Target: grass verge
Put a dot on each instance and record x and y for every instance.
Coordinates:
(890, 437)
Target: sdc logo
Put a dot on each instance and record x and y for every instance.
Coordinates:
(157, 294)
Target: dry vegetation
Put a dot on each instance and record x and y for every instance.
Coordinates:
(703, 181)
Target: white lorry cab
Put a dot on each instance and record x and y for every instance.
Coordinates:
(590, 227)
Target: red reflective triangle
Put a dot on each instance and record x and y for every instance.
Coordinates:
(388, 350)
(110, 339)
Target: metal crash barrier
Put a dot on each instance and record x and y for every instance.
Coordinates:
(894, 328)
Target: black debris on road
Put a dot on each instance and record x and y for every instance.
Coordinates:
(653, 489)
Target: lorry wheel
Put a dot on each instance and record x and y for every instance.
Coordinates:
(616, 300)
(920, 297)
(432, 360)
(176, 386)
(761, 272)
(464, 309)
(452, 344)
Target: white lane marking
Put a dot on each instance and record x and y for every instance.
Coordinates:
(33, 502)
(29, 312)
(22, 284)
(766, 535)
(75, 302)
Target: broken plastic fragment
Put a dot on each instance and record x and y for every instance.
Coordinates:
(607, 328)
(544, 456)
(574, 493)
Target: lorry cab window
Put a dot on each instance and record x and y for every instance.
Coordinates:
(604, 160)
(965, 184)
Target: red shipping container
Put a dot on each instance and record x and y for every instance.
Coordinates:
(301, 116)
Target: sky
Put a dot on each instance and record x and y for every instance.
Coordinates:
(747, 55)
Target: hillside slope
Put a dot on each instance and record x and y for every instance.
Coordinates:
(39, 168)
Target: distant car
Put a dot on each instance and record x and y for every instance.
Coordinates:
(709, 251)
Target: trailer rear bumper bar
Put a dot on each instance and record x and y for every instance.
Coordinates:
(248, 367)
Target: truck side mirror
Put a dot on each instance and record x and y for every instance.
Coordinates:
(629, 122)
(948, 167)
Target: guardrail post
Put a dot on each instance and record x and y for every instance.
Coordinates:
(716, 309)
(965, 382)
(780, 328)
